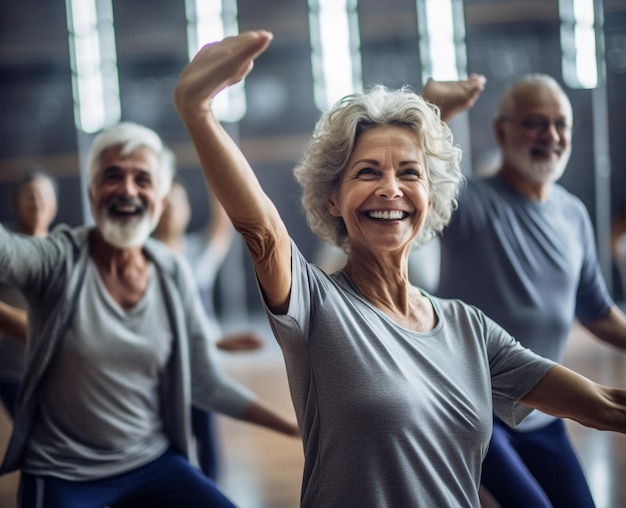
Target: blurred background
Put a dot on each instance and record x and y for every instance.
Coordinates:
(69, 68)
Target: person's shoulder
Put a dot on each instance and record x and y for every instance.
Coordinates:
(444, 303)
(455, 308)
(8, 227)
(77, 237)
(481, 195)
(566, 199)
(77, 232)
(560, 192)
(482, 186)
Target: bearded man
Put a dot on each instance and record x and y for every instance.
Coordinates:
(119, 348)
(521, 248)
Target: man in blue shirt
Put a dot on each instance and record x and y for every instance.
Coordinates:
(521, 248)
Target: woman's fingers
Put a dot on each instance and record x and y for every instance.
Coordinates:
(218, 65)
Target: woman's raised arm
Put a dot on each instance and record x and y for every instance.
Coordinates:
(215, 67)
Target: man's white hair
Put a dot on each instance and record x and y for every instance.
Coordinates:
(130, 137)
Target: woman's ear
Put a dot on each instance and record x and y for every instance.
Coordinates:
(333, 208)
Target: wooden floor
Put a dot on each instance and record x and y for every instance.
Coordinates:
(263, 470)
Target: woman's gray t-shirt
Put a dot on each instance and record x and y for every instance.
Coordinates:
(391, 417)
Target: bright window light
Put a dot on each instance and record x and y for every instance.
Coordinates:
(204, 24)
(210, 21)
(578, 43)
(94, 64)
(335, 50)
(441, 28)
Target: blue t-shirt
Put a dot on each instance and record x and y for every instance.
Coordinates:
(530, 266)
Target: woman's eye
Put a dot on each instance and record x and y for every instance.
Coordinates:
(366, 173)
(412, 174)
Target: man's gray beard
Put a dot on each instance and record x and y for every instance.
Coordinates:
(126, 235)
(544, 172)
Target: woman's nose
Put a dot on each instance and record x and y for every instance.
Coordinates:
(388, 187)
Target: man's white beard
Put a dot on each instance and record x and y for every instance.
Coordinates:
(126, 234)
(541, 171)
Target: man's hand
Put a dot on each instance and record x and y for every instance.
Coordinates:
(454, 97)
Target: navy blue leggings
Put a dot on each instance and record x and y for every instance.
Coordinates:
(537, 468)
(202, 423)
(167, 482)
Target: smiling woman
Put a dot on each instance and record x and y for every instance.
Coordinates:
(383, 200)
(384, 185)
(331, 148)
(393, 388)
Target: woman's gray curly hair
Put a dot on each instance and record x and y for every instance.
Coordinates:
(320, 170)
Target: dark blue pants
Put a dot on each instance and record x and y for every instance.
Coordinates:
(167, 482)
(537, 468)
(208, 453)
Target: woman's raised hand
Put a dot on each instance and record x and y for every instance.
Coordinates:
(217, 66)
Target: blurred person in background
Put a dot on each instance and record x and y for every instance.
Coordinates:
(119, 347)
(34, 201)
(522, 249)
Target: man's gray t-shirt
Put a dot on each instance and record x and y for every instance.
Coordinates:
(100, 409)
(391, 417)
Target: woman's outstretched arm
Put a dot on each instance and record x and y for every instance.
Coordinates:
(567, 394)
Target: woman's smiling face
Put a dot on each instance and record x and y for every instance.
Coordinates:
(384, 195)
